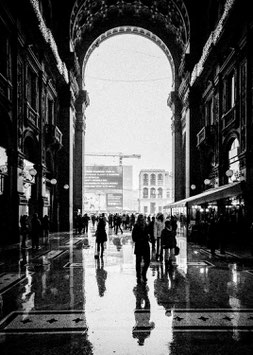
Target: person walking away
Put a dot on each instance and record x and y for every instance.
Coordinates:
(151, 228)
(140, 236)
(35, 231)
(169, 243)
(101, 236)
(118, 224)
(45, 229)
(93, 220)
(85, 223)
(24, 230)
(159, 226)
(132, 221)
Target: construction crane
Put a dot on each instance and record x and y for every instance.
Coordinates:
(120, 155)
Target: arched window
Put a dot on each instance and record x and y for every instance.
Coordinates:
(160, 179)
(145, 193)
(152, 179)
(160, 193)
(152, 193)
(145, 179)
(233, 160)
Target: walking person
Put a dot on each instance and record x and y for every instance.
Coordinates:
(85, 223)
(140, 236)
(101, 237)
(118, 224)
(159, 226)
(169, 243)
(45, 229)
(151, 227)
(24, 230)
(35, 231)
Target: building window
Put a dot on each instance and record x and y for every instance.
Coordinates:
(229, 92)
(32, 89)
(145, 179)
(209, 113)
(160, 193)
(152, 179)
(5, 53)
(50, 111)
(152, 193)
(145, 209)
(145, 193)
(160, 179)
(152, 207)
(168, 193)
(233, 159)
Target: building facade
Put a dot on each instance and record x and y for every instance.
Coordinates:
(155, 190)
(44, 49)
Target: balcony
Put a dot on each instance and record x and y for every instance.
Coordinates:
(205, 134)
(53, 136)
(32, 117)
(201, 136)
(229, 117)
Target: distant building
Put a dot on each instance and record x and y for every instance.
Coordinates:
(155, 190)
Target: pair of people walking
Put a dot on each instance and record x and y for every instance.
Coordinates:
(141, 237)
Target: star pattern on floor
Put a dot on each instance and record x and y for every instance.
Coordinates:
(44, 322)
(188, 320)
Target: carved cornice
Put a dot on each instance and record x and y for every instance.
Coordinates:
(212, 40)
(170, 14)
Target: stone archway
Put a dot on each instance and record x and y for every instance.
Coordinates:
(166, 23)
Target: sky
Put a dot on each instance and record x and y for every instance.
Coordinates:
(128, 80)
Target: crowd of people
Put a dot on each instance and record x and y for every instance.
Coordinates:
(32, 227)
(154, 237)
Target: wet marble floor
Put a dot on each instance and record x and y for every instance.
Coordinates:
(61, 300)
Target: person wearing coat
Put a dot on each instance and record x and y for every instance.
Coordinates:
(101, 236)
(169, 243)
(158, 227)
(140, 236)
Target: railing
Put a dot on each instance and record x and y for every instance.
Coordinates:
(53, 134)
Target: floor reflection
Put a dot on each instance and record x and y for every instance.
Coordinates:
(143, 326)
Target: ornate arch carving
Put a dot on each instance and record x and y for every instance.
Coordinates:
(168, 19)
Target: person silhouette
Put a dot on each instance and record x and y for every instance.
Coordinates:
(143, 327)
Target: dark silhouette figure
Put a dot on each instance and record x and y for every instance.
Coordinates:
(101, 236)
(143, 326)
(118, 222)
(140, 236)
(101, 276)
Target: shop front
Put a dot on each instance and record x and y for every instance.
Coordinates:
(194, 213)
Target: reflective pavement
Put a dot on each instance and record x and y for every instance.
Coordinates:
(61, 300)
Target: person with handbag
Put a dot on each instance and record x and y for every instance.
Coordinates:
(169, 243)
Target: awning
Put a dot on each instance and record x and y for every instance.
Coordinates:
(214, 194)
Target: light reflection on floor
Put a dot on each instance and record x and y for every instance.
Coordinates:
(70, 292)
